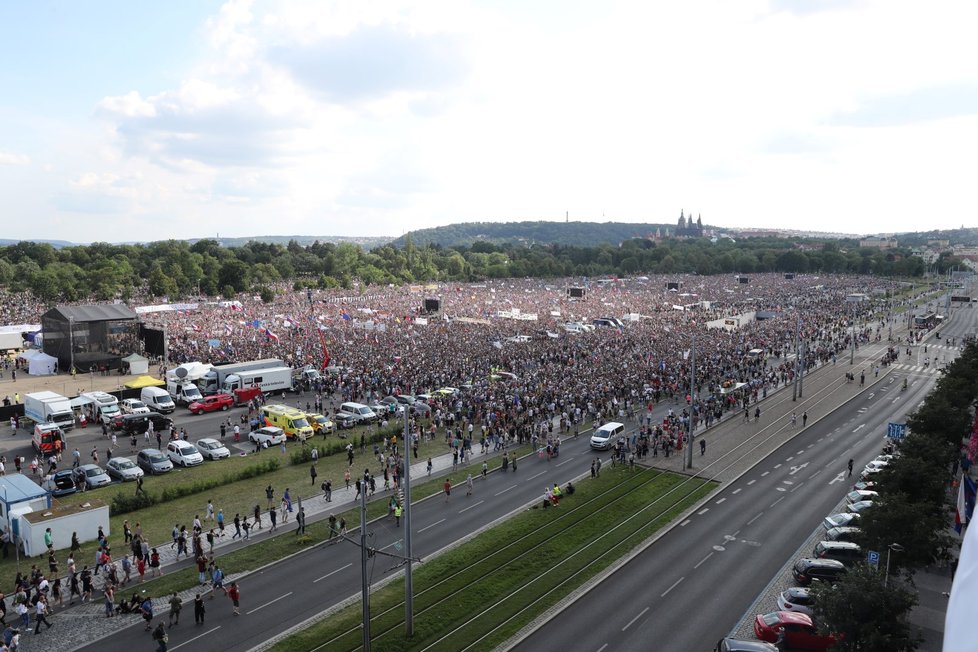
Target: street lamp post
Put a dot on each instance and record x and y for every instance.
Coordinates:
(893, 547)
(692, 400)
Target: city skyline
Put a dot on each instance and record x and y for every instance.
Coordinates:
(268, 117)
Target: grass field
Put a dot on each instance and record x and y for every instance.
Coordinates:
(515, 571)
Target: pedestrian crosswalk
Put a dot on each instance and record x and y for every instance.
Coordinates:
(917, 368)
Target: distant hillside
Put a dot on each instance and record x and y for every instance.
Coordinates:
(367, 242)
(962, 236)
(566, 233)
(57, 244)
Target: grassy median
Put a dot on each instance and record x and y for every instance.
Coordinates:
(515, 571)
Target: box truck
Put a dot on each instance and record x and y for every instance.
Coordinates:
(48, 407)
(213, 381)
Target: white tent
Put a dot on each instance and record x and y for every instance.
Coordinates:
(28, 354)
(43, 364)
(138, 365)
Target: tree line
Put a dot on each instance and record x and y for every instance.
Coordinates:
(175, 269)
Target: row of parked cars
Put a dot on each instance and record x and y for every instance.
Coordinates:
(150, 461)
(830, 560)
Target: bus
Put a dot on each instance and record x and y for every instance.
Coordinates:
(926, 321)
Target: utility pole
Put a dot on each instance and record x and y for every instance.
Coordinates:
(71, 341)
(408, 584)
(794, 388)
(365, 588)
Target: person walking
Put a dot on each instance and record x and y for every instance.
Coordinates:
(175, 606)
(794, 419)
(159, 635)
(850, 468)
(327, 488)
(199, 610)
(273, 516)
(397, 513)
(702, 447)
(448, 489)
(312, 474)
(804, 419)
(468, 485)
(300, 519)
(235, 595)
(40, 613)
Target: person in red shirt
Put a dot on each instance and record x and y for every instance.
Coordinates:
(235, 596)
(448, 489)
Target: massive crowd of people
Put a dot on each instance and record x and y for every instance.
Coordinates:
(380, 341)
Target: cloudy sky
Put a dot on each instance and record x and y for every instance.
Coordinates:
(124, 120)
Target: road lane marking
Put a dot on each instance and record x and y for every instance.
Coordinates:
(702, 561)
(799, 452)
(601, 649)
(332, 573)
(777, 466)
(209, 631)
(751, 482)
(537, 475)
(812, 476)
(797, 487)
(838, 478)
(859, 427)
(720, 501)
(685, 523)
(672, 587)
(765, 473)
(790, 458)
(465, 509)
(737, 491)
(755, 518)
(281, 597)
(632, 621)
(428, 527)
(565, 462)
(703, 511)
(505, 490)
(777, 501)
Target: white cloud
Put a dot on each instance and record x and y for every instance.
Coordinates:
(9, 158)
(370, 118)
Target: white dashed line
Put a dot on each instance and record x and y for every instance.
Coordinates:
(737, 491)
(332, 573)
(790, 458)
(751, 482)
(777, 501)
(703, 511)
(755, 518)
(702, 561)
(505, 490)
(797, 487)
(777, 466)
(428, 527)
(720, 501)
(281, 597)
(672, 587)
(537, 475)
(684, 523)
(765, 473)
(632, 621)
(465, 509)
(209, 631)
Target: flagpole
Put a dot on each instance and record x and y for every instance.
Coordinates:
(692, 400)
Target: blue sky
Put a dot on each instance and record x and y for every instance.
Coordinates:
(133, 121)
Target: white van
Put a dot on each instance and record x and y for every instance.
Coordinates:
(362, 412)
(157, 399)
(607, 435)
(106, 406)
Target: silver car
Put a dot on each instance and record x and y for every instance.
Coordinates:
(123, 468)
(153, 461)
(212, 449)
(93, 475)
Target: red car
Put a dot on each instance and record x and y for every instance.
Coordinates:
(799, 631)
(212, 403)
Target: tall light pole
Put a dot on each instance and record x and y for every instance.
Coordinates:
(794, 391)
(365, 588)
(71, 341)
(408, 583)
(893, 547)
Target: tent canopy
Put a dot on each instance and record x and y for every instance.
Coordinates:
(28, 354)
(144, 381)
(81, 401)
(135, 357)
(137, 363)
(42, 364)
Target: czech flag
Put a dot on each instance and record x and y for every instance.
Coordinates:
(270, 335)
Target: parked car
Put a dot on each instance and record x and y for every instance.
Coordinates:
(382, 410)
(319, 423)
(840, 520)
(212, 449)
(183, 453)
(212, 403)
(873, 468)
(270, 435)
(94, 475)
(807, 570)
(856, 495)
(864, 485)
(736, 645)
(61, 483)
(856, 508)
(153, 461)
(845, 551)
(123, 468)
(133, 406)
(137, 424)
(800, 632)
(420, 408)
(845, 533)
(797, 599)
(345, 420)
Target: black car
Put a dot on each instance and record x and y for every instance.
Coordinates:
(137, 424)
(62, 483)
(805, 571)
(845, 551)
(736, 645)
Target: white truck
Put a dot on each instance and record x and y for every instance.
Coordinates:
(48, 407)
(183, 392)
(213, 381)
(274, 379)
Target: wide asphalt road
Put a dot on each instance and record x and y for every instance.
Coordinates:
(690, 587)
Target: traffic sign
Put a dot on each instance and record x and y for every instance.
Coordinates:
(896, 431)
(873, 558)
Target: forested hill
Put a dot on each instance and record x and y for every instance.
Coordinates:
(582, 234)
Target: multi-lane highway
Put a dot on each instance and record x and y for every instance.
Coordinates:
(693, 585)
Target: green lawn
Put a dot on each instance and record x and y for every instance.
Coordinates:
(514, 572)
